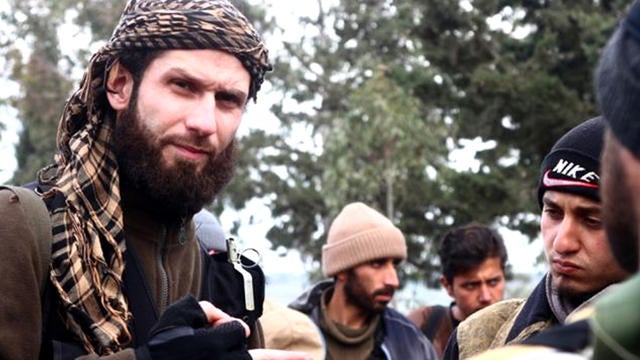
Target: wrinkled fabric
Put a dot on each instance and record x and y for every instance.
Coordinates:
(512, 321)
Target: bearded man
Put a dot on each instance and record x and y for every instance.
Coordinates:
(362, 251)
(146, 141)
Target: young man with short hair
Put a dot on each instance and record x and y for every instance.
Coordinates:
(473, 259)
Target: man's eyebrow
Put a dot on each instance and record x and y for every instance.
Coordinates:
(242, 96)
(589, 209)
(547, 201)
(176, 70)
(471, 282)
(586, 209)
(179, 71)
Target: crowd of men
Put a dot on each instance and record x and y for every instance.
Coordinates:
(108, 254)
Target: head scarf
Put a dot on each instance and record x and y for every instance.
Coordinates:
(88, 237)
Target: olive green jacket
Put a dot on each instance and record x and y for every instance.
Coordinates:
(170, 258)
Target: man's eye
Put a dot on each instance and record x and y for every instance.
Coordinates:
(230, 100)
(593, 222)
(181, 84)
(552, 212)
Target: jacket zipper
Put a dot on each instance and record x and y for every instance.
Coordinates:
(162, 273)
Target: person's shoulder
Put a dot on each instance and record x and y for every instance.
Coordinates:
(502, 310)
(399, 328)
(310, 298)
(21, 211)
(393, 318)
(615, 323)
(288, 329)
(480, 330)
(420, 315)
(425, 310)
(394, 314)
(490, 317)
(565, 342)
(621, 294)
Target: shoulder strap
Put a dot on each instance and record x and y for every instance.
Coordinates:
(39, 222)
(432, 321)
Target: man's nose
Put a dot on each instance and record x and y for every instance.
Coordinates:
(485, 294)
(567, 239)
(391, 277)
(202, 116)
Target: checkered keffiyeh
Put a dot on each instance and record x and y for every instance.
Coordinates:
(88, 236)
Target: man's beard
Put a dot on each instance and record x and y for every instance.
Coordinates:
(357, 295)
(170, 191)
(619, 220)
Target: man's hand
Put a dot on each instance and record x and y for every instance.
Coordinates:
(192, 330)
(271, 354)
(215, 316)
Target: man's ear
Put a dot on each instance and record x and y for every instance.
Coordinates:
(119, 86)
(446, 285)
(341, 277)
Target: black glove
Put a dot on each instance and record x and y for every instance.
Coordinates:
(183, 332)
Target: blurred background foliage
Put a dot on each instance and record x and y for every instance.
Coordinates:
(373, 98)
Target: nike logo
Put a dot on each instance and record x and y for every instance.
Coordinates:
(551, 182)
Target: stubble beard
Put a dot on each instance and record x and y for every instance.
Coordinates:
(172, 191)
(357, 295)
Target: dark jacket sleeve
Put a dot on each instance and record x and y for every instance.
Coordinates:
(403, 340)
(451, 351)
(20, 275)
(126, 354)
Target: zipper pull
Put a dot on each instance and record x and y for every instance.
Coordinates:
(234, 259)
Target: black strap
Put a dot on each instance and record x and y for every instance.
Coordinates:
(432, 322)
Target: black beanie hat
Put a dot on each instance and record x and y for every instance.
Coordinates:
(573, 164)
(618, 81)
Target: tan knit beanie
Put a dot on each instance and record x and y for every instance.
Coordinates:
(360, 234)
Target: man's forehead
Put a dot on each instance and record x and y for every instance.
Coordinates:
(488, 269)
(220, 65)
(395, 261)
(562, 198)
